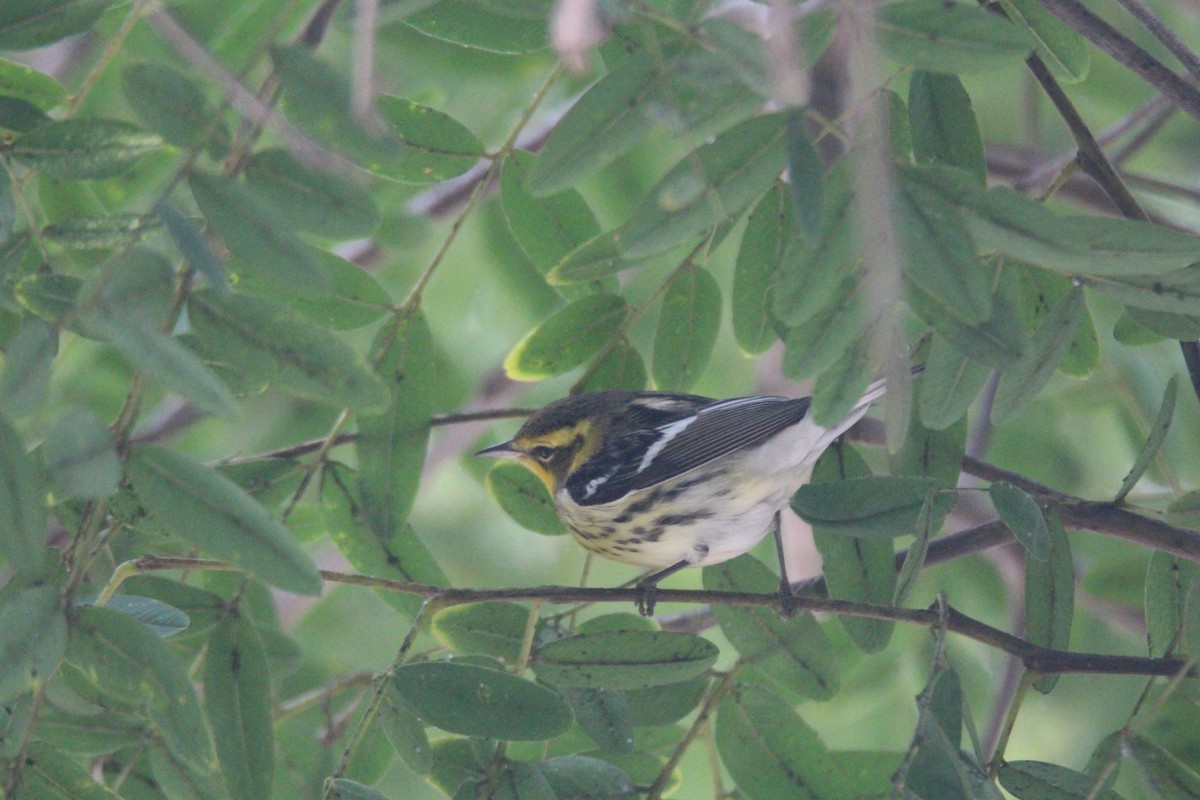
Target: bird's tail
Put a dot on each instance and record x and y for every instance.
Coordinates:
(874, 391)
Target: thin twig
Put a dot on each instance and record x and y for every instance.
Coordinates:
(1124, 50)
(711, 701)
(1142, 13)
(1043, 660)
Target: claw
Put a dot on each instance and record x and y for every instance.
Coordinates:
(787, 599)
(647, 599)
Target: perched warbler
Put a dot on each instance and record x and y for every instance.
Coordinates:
(667, 480)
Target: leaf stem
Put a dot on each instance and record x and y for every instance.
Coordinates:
(711, 701)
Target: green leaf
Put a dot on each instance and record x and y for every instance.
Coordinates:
(25, 24)
(687, 329)
(811, 275)
(318, 100)
(579, 777)
(28, 360)
(931, 453)
(80, 456)
(84, 148)
(1050, 597)
(257, 233)
(914, 559)
(164, 360)
(707, 187)
(1063, 49)
(49, 295)
(346, 789)
(1008, 222)
(666, 704)
(438, 147)
(299, 358)
(237, 698)
(473, 25)
(176, 780)
(172, 104)
(103, 732)
(391, 445)
(1038, 780)
(841, 385)
(938, 255)
(794, 655)
(524, 498)
(320, 203)
(605, 716)
(943, 124)
(1021, 515)
(997, 342)
(192, 243)
(101, 233)
(805, 172)
(22, 506)
(547, 228)
(1175, 292)
(771, 752)
(405, 731)
(1158, 434)
(695, 91)
(568, 338)
(1036, 292)
(600, 126)
(122, 659)
(1021, 382)
(355, 301)
(1183, 327)
(33, 638)
(26, 83)
(161, 618)
(763, 243)
(213, 513)
(621, 368)
(825, 338)
(496, 628)
(623, 659)
(48, 773)
(1170, 778)
(596, 258)
(877, 506)
(856, 569)
(400, 556)
(1168, 581)
(19, 116)
(476, 701)
(949, 37)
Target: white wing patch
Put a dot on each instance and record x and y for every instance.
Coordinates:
(669, 432)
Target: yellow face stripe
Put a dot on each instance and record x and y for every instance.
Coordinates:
(581, 439)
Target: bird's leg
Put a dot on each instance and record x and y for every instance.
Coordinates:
(786, 596)
(649, 586)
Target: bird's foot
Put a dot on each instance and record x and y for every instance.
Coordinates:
(648, 589)
(787, 599)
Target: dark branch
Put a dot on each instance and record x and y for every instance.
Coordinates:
(1037, 658)
(1117, 45)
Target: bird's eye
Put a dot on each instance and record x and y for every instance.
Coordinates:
(542, 452)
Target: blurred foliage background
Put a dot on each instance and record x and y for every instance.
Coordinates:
(235, 227)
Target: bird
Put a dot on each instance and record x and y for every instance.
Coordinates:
(664, 480)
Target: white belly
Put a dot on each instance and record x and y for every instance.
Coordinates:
(678, 529)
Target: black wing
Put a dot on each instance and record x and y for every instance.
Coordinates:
(648, 457)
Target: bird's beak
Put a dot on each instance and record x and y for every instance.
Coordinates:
(502, 450)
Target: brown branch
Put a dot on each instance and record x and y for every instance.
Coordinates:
(1106, 518)
(1035, 657)
(1124, 50)
(1091, 155)
(1153, 23)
